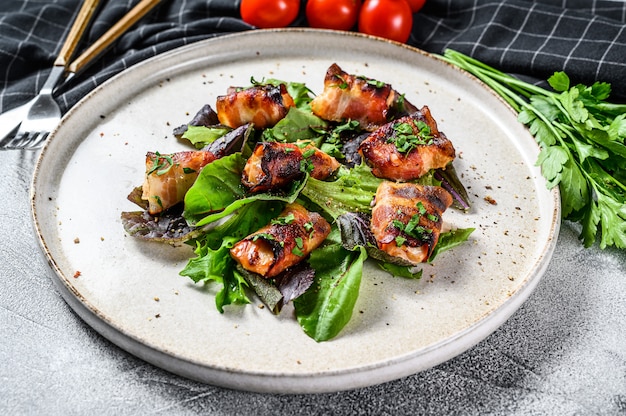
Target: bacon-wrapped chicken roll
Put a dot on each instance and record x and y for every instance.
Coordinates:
(169, 177)
(407, 148)
(283, 243)
(274, 165)
(407, 219)
(262, 105)
(350, 97)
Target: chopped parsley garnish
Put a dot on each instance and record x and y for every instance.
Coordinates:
(161, 164)
(287, 219)
(306, 165)
(344, 83)
(297, 250)
(405, 139)
(412, 227)
(372, 82)
(267, 237)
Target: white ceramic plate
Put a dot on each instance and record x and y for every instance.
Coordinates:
(130, 291)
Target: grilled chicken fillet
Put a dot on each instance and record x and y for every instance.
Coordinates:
(407, 219)
(407, 148)
(283, 243)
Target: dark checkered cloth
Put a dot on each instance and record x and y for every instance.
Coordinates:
(531, 39)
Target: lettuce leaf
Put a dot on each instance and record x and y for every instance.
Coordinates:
(353, 191)
(450, 239)
(200, 136)
(297, 125)
(218, 267)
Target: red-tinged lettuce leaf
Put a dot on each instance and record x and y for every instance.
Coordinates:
(355, 232)
(135, 196)
(450, 182)
(170, 227)
(295, 281)
(277, 292)
(264, 288)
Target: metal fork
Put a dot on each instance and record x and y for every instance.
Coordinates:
(44, 114)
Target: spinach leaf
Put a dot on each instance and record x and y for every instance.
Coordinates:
(217, 186)
(325, 309)
(450, 239)
(297, 125)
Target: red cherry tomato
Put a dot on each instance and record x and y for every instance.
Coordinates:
(391, 19)
(333, 14)
(416, 5)
(269, 13)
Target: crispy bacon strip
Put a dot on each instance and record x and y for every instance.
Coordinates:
(407, 219)
(169, 177)
(274, 165)
(262, 105)
(283, 243)
(350, 97)
(431, 150)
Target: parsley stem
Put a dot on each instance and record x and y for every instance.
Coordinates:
(582, 144)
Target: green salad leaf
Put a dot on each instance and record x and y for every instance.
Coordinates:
(450, 239)
(200, 136)
(352, 191)
(325, 309)
(218, 185)
(297, 125)
(217, 266)
(218, 193)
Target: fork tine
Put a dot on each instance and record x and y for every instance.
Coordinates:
(20, 139)
(37, 141)
(15, 141)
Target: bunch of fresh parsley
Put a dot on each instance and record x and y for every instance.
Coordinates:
(582, 140)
